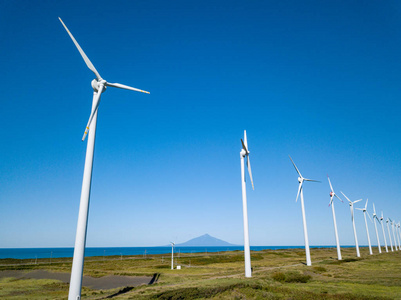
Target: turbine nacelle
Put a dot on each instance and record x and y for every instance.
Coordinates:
(96, 85)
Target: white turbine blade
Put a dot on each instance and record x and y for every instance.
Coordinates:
(331, 187)
(366, 205)
(369, 217)
(352, 213)
(335, 195)
(331, 200)
(356, 201)
(359, 208)
(311, 180)
(245, 141)
(97, 102)
(248, 163)
(346, 197)
(299, 190)
(374, 209)
(86, 59)
(125, 87)
(382, 215)
(244, 147)
(299, 173)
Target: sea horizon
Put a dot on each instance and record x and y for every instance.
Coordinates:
(68, 252)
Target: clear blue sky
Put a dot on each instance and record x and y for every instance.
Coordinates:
(319, 80)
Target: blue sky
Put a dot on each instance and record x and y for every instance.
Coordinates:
(319, 80)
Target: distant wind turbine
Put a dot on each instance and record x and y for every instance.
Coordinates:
(384, 235)
(172, 255)
(300, 191)
(377, 234)
(99, 86)
(392, 229)
(389, 235)
(397, 230)
(247, 251)
(332, 195)
(351, 206)
(366, 224)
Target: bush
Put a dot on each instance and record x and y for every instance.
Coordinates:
(291, 277)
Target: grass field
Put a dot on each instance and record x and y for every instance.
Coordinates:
(277, 274)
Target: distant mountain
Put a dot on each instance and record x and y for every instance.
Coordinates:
(205, 241)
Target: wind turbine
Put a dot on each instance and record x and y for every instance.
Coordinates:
(392, 228)
(332, 195)
(377, 234)
(172, 255)
(351, 206)
(247, 251)
(300, 191)
(398, 234)
(389, 235)
(366, 225)
(384, 235)
(99, 86)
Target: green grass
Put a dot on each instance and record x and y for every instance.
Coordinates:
(278, 274)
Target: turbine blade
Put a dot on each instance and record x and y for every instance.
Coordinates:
(366, 205)
(374, 209)
(359, 208)
(356, 201)
(331, 200)
(352, 213)
(311, 180)
(86, 59)
(346, 197)
(335, 195)
(244, 147)
(248, 163)
(125, 87)
(370, 218)
(299, 190)
(245, 140)
(299, 173)
(97, 102)
(331, 187)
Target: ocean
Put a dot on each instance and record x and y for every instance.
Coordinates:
(31, 253)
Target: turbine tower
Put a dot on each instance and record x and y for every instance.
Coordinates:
(377, 234)
(392, 228)
(172, 255)
(351, 206)
(389, 235)
(247, 251)
(300, 191)
(366, 224)
(397, 230)
(332, 195)
(99, 86)
(384, 235)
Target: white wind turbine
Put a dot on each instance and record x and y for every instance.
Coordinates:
(172, 255)
(99, 86)
(384, 235)
(377, 234)
(389, 235)
(247, 251)
(351, 206)
(300, 191)
(392, 228)
(366, 224)
(332, 195)
(397, 230)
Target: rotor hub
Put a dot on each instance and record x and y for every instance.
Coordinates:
(96, 84)
(331, 194)
(243, 153)
(300, 179)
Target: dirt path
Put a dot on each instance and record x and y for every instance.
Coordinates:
(102, 283)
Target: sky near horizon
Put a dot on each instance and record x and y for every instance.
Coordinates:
(317, 80)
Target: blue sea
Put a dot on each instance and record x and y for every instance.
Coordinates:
(31, 253)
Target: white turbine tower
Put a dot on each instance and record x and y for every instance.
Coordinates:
(172, 255)
(377, 234)
(332, 195)
(351, 206)
(397, 230)
(300, 191)
(384, 235)
(247, 251)
(366, 224)
(99, 86)
(389, 235)
(392, 229)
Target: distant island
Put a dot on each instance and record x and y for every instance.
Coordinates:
(205, 240)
